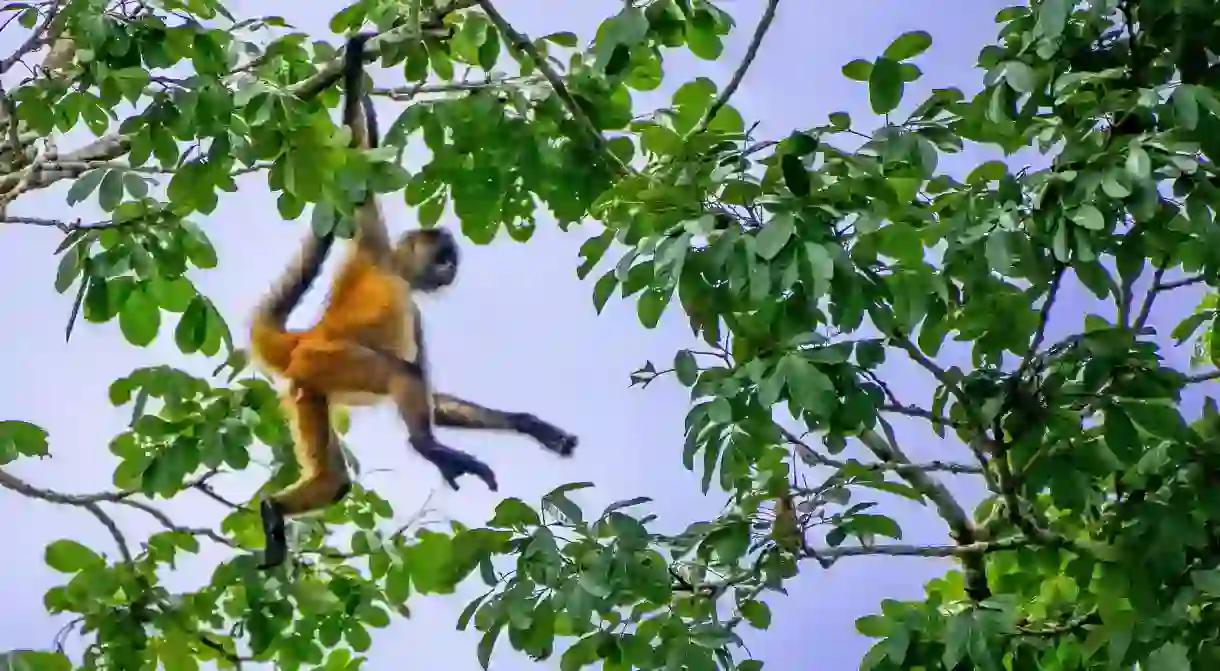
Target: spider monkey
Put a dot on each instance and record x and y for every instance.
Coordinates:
(367, 345)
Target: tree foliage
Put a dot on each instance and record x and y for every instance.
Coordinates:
(802, 262)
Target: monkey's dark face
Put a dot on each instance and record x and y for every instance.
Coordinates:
(428, 258)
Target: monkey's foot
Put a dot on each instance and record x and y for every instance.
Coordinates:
(552, 437)
(455, 463)
(275, 549)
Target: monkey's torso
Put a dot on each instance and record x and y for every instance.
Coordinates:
(368, 306)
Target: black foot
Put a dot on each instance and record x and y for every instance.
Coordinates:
(552, 437)
(455, 463)
(275, 549)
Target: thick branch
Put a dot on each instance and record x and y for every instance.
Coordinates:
(961, 528)
(968, 551)
(113, 146)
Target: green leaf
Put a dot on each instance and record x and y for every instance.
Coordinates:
(686, 368)
(840, 120)
(135, 185)
(878, 525)
(1172, 656)
(398, 584)
(757, 613)
(565, 38)
(701, 37)
(908, 45)
(468, 612)
(1185, 106)
(34, 660)
(1089, 217)
(720, 411)
(172, 295)
(513, 512)
(800, 144)
(796, 178)
(1138, 163)
(885, 86)
(858, 70)
(603, 289)
(486, 645)
(773, 237)
(19, 438)
(988, 171)
(1214, 340)
(625, 503)
(1020, 77)
(85, 185)
(140, 318)
(1187, 327)
(192, 328)
(651, 306)
(69, 556)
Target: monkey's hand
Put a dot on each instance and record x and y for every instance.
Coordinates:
(454, 463)
(275, 550)
(552, 437)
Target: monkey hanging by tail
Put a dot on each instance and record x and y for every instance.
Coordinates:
(368, 345)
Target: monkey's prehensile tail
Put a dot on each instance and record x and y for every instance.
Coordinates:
(272, 342)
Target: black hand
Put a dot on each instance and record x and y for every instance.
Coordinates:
(275, 549)
(455, 463)
(552, 437)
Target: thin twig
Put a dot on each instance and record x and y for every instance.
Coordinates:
(169, 524)
(31, 43)
(1203, 377)
(760, 32)
(108, 522)
(1185, 282)
(1146, 308)
(519, 42)
(409, 92)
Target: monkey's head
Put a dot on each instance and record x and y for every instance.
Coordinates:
(427, 258)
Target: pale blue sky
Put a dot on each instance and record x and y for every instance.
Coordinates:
(518, 310)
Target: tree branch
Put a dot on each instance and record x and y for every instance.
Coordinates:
(409, 92)
(90, 503)
(1185, 282)
(760, 32)
(819, 459)
(1153, 292)
(961, 528)
(968, 551)
(523, 45)
(39, 35)
(114, 146)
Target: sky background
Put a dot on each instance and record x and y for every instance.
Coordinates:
(518, 332)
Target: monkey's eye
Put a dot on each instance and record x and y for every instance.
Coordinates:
(445, 254)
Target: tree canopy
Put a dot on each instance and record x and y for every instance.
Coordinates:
(803, 263)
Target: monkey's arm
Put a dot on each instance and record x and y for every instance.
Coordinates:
(451, 411)
(409, 388)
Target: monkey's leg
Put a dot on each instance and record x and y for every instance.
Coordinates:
(346, 367)
(323, 480)
(455, 412)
